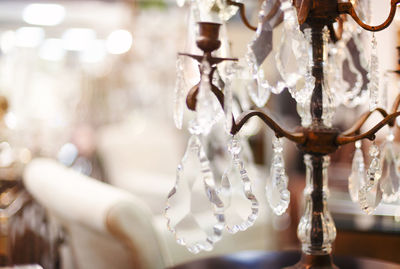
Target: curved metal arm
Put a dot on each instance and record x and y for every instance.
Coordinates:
(242, 11)
(298, 138)
(348, 8)
(355, 129)
(342, 140)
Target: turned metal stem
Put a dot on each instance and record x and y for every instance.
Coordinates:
(318, 73)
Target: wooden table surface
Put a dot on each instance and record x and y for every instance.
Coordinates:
(277, 260)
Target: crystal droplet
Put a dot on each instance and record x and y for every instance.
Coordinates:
(258, 88)
(179, 98)
(357, 178)
(373, 75)
(208, 108)
(390, 179)
(241, 206)
(370, 195)
(180, 3)
(194, 212)
(277, 193)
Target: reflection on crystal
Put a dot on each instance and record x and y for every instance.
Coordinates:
(370, 195)
(278, 194)
(373, 75)
(194, 211)
(241, 206)
(179, 99)
(390, 179)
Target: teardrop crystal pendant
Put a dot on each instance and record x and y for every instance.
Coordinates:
(373, 75)
(370, 195)
(179, 98)
(293, 56)
(208, 109)
(194, 212)
(258, 88)
(277, 191)
(357, 178)
(226, 11)
(241, 205)
(390, 179)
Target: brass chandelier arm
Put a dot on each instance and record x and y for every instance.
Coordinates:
(298, 138)
(242, 11)
(355, 129)
(347, 8)
(342, 140)
(396, 104)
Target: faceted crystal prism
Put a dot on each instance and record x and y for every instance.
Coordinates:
(231, 70)
(194, 211)
(390, 179)
(241, 206)
(293, 57)
(357, 178)
(370, 195)
(179, 98)
(208, 109)
(277, 191)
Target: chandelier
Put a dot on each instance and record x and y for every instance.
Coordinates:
(213, 195)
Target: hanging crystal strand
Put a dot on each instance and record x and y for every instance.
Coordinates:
(390, 180)
(316, 229)
(208, 108)
(357, 178)
(179, 99)
(241, 205)
(258, 88)
(370, 194)
(294, 45)
(373, 75)
(231, 69)
(277, 191)
(194, 211)
(328, 99)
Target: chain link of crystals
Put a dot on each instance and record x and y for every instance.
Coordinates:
(307, 223)
(179, 97)
(181, 220)
(241, 182)
(370, 194)
(373, 75)
(277, 192)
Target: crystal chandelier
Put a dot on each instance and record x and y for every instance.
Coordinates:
(312, 59)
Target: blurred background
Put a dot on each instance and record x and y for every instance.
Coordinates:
(89, 84)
